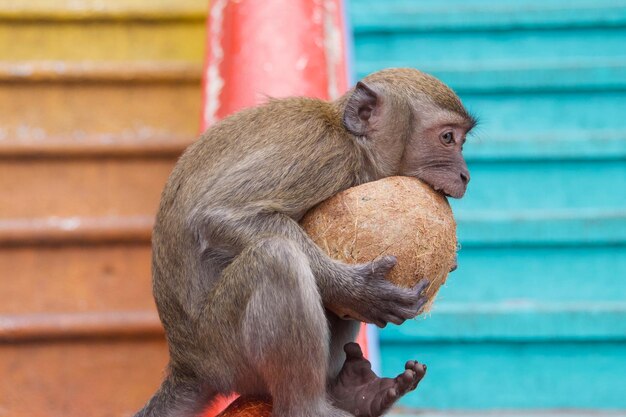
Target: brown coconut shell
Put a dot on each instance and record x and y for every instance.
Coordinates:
(398, 216)
(248, 407)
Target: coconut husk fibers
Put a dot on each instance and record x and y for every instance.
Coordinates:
(398, 216)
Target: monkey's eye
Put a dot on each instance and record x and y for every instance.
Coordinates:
(448, 138)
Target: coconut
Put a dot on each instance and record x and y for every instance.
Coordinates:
(398, 216)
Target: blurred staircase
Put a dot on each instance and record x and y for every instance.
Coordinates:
(97, 100)
(534, 319)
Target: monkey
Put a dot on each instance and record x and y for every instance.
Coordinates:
(248, 302)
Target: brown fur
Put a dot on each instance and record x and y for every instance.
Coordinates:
(418, 85)
(249, 303)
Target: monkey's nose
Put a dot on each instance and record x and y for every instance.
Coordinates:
(465, 177)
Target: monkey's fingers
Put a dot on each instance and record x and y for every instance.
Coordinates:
(380, 267)
(402, 304)
(455, 265)
(387, 292)
(397, 320)
(421, 285)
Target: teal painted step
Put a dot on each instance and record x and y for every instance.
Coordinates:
(489, 46)
(514, 321)
(552, 185)
(534, 318)
(512, 61)
(580, 140)
(586, 275)
(542, 116)
(516, 48)
(582, 227)
(514, 375)
(489, 144)
(464, 15)
(518, 74)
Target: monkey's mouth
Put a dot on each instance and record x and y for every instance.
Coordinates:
(451, 189)
(440, 190)
(450, 193)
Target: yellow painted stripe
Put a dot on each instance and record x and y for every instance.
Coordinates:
(102, 41)
(98, 9)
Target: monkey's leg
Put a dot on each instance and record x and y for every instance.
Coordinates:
(284, 330)
(177, 396)
(359, 390)
(342, 332)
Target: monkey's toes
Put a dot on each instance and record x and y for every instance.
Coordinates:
(400, 385)
(419, 370)
(404, 381)
(353, 351)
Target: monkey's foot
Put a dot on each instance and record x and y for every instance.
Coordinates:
(359, 391)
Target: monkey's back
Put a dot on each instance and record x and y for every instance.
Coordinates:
(284, 157)
(293, 152)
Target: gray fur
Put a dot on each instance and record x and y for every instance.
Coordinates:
(240, 288)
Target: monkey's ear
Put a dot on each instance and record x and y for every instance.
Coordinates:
(359, 109)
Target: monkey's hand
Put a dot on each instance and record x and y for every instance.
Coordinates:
(374, 299)
(455, 265)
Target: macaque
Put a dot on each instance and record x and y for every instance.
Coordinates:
(249, 303)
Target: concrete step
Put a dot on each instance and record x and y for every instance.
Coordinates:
(98, 377)
(40, 188)
(74, 278)
(87, 108)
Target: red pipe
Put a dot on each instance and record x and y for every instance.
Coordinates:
(272, 48)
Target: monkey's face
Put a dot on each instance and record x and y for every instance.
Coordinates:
(434, 151)
(412, 135)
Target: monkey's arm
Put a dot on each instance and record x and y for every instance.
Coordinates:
(358, 292)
